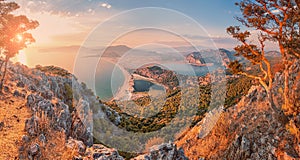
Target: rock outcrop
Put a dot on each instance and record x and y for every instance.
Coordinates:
(165, 77)
(100, 152)
(62, 119)
(58, 103)
(167, 151)
(248, 130)
(208, 57)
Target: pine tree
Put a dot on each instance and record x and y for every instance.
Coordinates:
(277, 21)
(14, 34)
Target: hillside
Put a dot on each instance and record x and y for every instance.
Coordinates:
(250, 129)
(40, 118)
(208, 57)
(47, 113)
(13, 115)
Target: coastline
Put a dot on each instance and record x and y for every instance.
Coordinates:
(123, 93)
(139, 77)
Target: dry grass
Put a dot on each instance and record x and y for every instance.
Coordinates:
(152, 142)
(55, 145)
(218, 139)
(14, 114)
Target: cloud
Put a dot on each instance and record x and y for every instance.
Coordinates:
(62, 7)
(105, 5)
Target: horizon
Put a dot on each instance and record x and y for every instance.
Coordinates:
(65, 26)
(159, 79)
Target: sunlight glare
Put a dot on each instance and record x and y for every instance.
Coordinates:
(19, 37)
(21, 57)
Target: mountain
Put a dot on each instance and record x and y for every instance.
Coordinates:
(209, 56)
(116, 51)
(45, 113)
(273, 54)
(247, 130)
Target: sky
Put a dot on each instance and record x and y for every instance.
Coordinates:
(67, 24)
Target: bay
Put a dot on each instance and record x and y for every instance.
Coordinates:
(109, 79)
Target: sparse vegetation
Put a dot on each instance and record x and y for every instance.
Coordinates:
(53, 70)
(68, 97)
(51, 143)
(152, 142)
(236, 88)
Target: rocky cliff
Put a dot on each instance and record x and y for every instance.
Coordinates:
(251, 129)
(248, 130)
(52, 115)
(162, 76)
(60, 122)
(208, 57)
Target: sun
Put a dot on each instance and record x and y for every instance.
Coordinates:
(19, 37)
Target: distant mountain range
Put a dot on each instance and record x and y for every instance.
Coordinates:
(273, 54)
(191, 55)
(116, 51)
(217, 57)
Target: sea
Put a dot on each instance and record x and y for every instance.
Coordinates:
(109, 78)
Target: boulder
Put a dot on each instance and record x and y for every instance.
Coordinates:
(6, 89)
(100, 152)
(32, 126)
(32, 87)
(34, 152)
(166, 151)
(17, 93)
(46, 107)
(47, 94)
(30, 100)
(76, 145)
(25, 139)
(20, 84)
(82, 127)
(1, 126)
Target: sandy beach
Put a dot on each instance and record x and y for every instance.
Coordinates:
(123, 92)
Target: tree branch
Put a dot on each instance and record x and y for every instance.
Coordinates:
(266, 61)
(267, 88)
(252, 51)
(268, 31)
(295, 53)
(270, 13)
(264, 71)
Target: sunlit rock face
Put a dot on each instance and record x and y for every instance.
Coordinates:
(251, 129)
(164, 151)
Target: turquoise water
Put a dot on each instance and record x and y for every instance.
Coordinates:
(109, 78)
(145, 86)
(189, 70)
